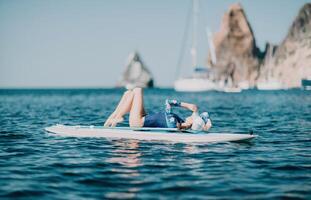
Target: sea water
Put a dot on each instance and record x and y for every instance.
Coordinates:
(36, 165)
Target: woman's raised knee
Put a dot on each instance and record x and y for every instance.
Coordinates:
(128, 95)
(128, 92)
(137, 90)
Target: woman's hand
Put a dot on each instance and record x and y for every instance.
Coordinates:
(208, 125)
(184, 126)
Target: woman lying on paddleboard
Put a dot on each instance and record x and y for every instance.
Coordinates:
(132, 102)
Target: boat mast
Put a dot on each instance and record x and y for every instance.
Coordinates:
(195, 11)
(211, 46)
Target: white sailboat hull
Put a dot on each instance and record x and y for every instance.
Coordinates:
(194, 85)
(270, 85)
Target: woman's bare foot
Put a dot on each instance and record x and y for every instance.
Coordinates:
(113, 122)
(116, 121)
(107, 123)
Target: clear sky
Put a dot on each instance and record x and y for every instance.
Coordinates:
(85, 43)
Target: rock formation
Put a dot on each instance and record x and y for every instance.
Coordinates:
(291, 61)
(238, 58)
(136, 74)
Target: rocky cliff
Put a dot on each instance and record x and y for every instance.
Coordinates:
(136, 73)
(238, 58)
(291, 61)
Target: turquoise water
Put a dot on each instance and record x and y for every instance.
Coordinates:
(37, 165)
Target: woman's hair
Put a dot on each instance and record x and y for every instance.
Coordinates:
(205, 116)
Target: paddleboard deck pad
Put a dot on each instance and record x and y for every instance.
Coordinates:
(149, 134)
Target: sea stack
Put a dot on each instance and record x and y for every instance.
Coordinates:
(238, 58)
(291, 60)
(136, 73)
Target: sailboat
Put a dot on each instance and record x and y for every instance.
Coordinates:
(202, 77)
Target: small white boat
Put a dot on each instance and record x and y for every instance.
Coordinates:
(232, 89)
(270, 85)
(149, 134)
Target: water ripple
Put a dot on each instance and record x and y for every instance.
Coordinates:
(36, 165)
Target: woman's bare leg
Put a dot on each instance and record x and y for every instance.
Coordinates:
(123, 107)
(137, 110)
(123, 99)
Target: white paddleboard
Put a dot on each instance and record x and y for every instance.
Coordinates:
(151, 134)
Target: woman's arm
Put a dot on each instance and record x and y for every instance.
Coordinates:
(189, 106)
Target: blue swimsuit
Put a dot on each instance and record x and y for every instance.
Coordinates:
(165, 119)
